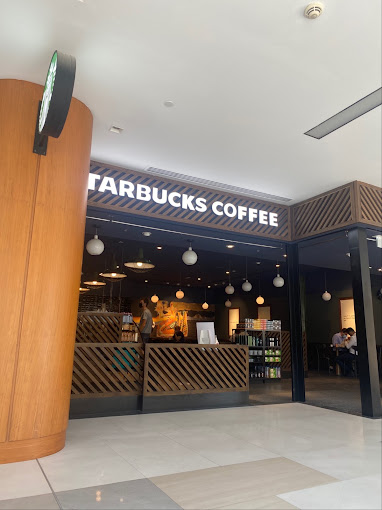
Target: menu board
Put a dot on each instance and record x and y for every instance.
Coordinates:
(347, 313)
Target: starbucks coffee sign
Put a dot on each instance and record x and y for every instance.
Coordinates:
(57, 94)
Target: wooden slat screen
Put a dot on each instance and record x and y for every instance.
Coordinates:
(105, 369)
(370, 204)
(186, 369)
(286, 363)
(324, 213)
(112, 202)
(98, 327)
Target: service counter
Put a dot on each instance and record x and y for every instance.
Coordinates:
(111, 377)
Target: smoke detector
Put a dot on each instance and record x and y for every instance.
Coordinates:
(314, 10)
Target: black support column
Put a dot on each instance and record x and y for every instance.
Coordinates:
(364, 319)
(296, 338)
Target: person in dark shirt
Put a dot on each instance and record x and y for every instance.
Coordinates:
(178, 335)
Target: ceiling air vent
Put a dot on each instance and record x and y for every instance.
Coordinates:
(227, 188)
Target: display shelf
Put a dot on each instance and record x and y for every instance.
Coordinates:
(263, 344)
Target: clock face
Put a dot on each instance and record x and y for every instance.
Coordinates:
(48, 91)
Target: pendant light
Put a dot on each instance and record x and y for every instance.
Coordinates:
(326, 296)
(278, 281)
(259, 299)
(83, 290)
(189, 257)
(228, 303)
(140, 264)
(113, 274)
(154, 298)
(205, 304)
(230, 289)
(180, 294)
(247, 286)
(94, 282)
(95, 246)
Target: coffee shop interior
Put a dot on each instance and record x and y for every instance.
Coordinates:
(238, 283)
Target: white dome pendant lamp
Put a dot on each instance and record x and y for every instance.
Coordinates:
(95, 246)
(189, 257)
(228, 303)
(278, 281)
(247, 286)
(326, 296)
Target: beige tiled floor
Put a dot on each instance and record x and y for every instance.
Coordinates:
(229, 485)
(265, 457)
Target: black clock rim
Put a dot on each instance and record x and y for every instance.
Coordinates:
(61, 95)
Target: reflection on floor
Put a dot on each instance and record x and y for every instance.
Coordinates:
(257, 457)
(322, 390)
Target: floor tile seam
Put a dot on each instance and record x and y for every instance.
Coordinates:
(50, 485)
(127, 462)
(314, 469)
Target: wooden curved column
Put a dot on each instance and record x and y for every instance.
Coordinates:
(42, 220)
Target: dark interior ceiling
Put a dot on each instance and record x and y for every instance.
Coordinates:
(122, 235)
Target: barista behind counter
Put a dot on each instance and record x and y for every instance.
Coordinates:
(146, 321)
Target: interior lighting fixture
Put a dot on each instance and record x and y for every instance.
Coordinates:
(146, 234)
(115, 129)
(230, 289)
(348, 254)
(230, 246)
(205, 304)
(189, 257)
(94, 283)
(228, 303)
(259, 299)
(179, 294)
(347, 115)
(199, 279)
(95, 246)
(159, 247)
(209, 286)
(140, 264)
(113, 274)
(285, 255)
(277, 265)
(83, 290)
(154, 298)
(326, 296)
(278, 281)
(146, 281)
(227, 272)
(380, 269)
(247, 286)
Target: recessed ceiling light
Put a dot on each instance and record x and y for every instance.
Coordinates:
(285, 255)
(227, 272)
(146, 281)
(188, 285)
(146, 234)
(209, 286)
(199, 278)
(258, 263)
(348, 254)
(115, 129)
(277, 265)
(168, 104)
(370, 267)
(380, 269)
(159, 247)
(167, 283)
(230, 246)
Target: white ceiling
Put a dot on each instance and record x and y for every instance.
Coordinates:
(248, 78)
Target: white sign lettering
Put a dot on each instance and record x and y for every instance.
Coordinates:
(175, 199)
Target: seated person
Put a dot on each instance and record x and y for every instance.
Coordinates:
(339, 338)
(178, 335)
(346, 358)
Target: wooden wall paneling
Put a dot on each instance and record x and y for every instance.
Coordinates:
(370, 204)
(42, 388)
(18, 105)
(324, 213)
(196, 368)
